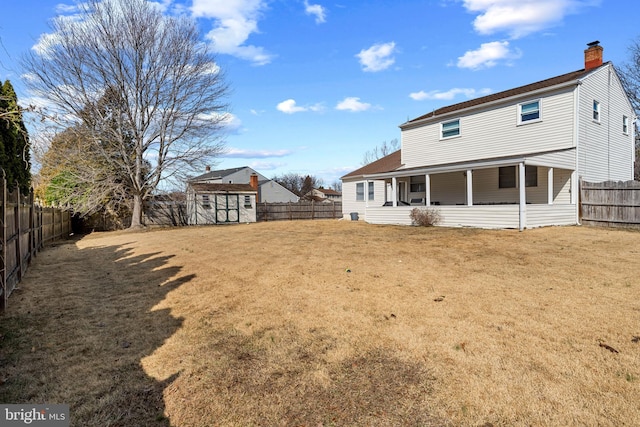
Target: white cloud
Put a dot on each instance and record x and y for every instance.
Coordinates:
(378, 57)
(521, 17)
(255, 154)
(450, 94)
(317, 10)
(235, 21)
(487, 55)
(289, 107)
(352, 104)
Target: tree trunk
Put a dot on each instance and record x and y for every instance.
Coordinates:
(136, 216)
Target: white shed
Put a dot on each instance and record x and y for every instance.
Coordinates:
(220, 203)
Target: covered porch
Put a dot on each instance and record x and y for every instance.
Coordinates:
(500, 193)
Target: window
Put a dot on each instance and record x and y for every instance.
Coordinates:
(529, 111)
(371, 190)
(531, 176)
(205, 201)
(507, 177)
(596, 110)
(417, 184)
(625, 125)
(360, 191)
(247, 202)
(451, 128)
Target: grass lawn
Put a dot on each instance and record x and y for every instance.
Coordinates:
(331, 323)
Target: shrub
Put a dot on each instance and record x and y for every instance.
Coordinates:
(425, 217)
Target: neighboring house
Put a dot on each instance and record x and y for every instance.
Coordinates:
(508, 160)
(220, 203)
(268, 190)
(324, 195)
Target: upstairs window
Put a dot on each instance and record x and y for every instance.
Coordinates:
(596, 110)
(529, 111)
(625, 125)
(450, 129)
(360, 191)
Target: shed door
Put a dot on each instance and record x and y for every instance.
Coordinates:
(227, 208)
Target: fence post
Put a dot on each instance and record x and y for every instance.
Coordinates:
(290, 212)
(3, 302)
(18, 232)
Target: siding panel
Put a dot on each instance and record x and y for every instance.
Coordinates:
(492, 133)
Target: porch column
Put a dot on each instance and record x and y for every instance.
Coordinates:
(523, 197)
(469, 188)
(427, 190)
(550, 186)
(394, 191)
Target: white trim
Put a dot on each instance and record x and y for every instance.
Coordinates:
(550, 186)
(523, 198)
(442, 137)
(527, 122)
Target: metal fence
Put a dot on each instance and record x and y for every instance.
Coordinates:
(299, 210)
(26, 228)
(610, 204)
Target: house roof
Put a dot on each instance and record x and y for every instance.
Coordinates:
(385, 164)
(223, 188)
(329, 192)
(542, 84)
(221, 173)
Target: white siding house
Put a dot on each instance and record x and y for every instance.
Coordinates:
(508, 160)
(268, 190)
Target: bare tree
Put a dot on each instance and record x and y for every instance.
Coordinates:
(380, 151)
(298, 184)
(165, 91)
(629, 74)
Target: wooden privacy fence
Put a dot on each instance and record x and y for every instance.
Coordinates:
(299, 210)
(25, 229)
(611, 204)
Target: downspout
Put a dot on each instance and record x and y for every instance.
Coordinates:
(609, 125)
(575, 176)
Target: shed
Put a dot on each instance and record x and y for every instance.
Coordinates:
(220, 203)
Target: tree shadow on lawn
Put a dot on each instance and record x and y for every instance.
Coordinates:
(78, 327)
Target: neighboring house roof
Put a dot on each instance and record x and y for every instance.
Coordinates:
(329, 192)
(542, 84)
(217, 174)
(219, 188)
(384, 164)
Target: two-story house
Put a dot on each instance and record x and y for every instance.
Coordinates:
(512, 159)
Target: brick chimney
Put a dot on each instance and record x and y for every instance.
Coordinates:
(593, 55)
(208, 168)
(253, 182)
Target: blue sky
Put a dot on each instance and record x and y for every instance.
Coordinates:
(317, 83)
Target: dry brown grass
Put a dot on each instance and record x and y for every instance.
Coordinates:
(331, 323)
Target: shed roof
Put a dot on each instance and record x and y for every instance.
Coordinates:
(223, 188)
